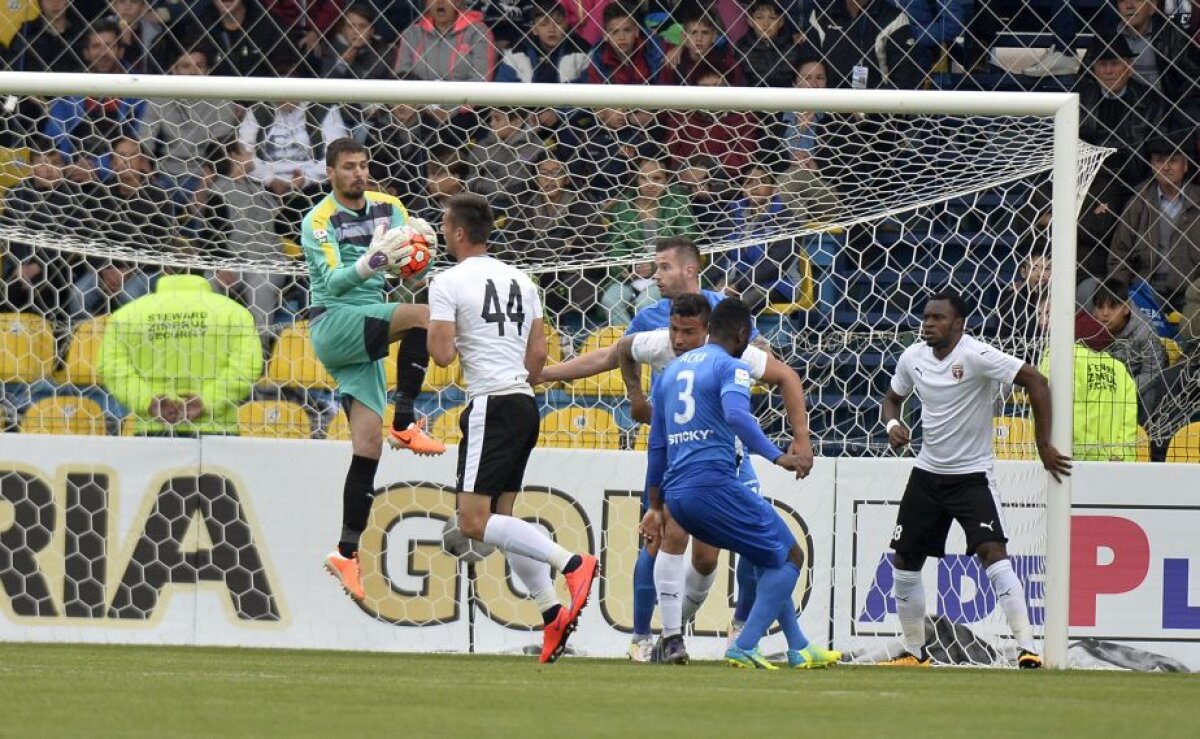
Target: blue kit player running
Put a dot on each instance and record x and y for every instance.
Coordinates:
(701, 405)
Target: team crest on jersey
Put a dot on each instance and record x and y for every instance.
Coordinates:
(320, 234)
(957, 372)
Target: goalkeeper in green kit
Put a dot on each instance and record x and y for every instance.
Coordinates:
(352, 239)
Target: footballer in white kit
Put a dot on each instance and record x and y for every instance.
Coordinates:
(957, 379)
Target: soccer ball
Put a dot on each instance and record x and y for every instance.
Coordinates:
(467, 550)
(418, 262)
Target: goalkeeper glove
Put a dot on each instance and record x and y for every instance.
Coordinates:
(388, 247)
(421, 226)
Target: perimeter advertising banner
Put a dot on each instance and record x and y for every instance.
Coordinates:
(221, 542)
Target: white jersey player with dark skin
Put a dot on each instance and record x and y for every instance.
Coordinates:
(490, 315)
(957, 378)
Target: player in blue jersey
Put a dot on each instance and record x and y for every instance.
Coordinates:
(701, 405)
(677, 272)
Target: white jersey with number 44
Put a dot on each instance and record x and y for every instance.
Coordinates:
(492, 305)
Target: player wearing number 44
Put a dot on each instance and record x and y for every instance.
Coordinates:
(351, 239)
(957, 379)
(490, 314)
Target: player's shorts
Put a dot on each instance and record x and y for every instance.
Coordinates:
(931, 501)
(746, 475)
(731, 517)
(350, 340)
(498, 434)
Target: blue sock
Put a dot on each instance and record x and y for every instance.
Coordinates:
(789, 623)
(747, 585)
(644, 593)
(775, 586)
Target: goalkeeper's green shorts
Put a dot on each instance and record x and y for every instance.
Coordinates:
(351, 341)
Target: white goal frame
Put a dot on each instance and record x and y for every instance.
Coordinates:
(1062, 107)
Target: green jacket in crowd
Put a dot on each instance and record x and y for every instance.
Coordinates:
(626, 233)
(1105, 426)
(182, 340)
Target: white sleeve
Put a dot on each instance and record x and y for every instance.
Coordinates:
(902, 383)
(756, 359)
(441, 302)
(652, 348)
(996, 365)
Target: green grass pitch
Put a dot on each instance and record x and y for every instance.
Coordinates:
(118, 691)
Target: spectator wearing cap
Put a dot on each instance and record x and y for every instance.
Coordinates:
(1158, 237)
(551, 53)
(1163, 55)
(769, 51)
(867, 45)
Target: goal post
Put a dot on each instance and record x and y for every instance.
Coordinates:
(1062, 158)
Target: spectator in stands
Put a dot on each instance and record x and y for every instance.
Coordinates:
(503, 157)
(128, 212)
(400, 137)
(557, 223)
(140, 28)
(176, 132)
(447, 43)
(304, 22)
(1164, 57)
(650, 210)
(288, 141)
(701, 179)
(181, 359)
(36, 278)
(351, 50)
(731, 137)
(243, 34)
(238, 214)
(549, 54)
(599, 149)
(1134, 342)
(586, 18)
(770, 51)
(627, 54)
(866, 44)
(1158, 237)
(509, 20)
(446, 174)
(1017, 309)
(48, 43)
(767, 269)
(936, 26)
(704, 49)
(82, 127)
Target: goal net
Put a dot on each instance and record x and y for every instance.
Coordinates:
(834, 222)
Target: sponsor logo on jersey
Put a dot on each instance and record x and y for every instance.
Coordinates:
(685, 436)
(957, 372)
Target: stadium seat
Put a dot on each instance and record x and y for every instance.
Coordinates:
(13, 166)
(64, 415)
(580, 428)
(339, 427)
(293, 362)
(806, 300)
(1174, 353)
(1013, 438)
(83, 355)
(1143, 445)
(641, 437)
(445, 427)
(1185, 445)
(26, 347)
(553, 345)
(606, 383)
(436, 378)
(274, 419)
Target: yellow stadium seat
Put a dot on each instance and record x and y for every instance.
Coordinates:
(445, 427)
(274, 419)
(293, 363)
(83, 355)
(580, 428)
(1014, 438)
(553, 345)
(339, 427)
(65, 415)
(1185, 445)
(641, 438)
(14, 163)
(806, 300)
(26, 347)
(436, 378)
(605, 383)
(1143, 445)
(1174, 353)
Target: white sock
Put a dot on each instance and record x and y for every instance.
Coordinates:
(695, 590)
(909, 591)
(535, 576)
(516, 536)
(1011, 595)
(668, 581)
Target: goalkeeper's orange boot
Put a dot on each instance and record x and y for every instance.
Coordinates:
(555, 635)
(908, 659)
(579, 583)
(346, 570)
(415, 440)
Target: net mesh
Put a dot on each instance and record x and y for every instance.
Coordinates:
(834, 226)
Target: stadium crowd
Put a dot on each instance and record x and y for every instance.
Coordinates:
(227, 178)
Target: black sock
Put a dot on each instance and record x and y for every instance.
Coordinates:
(550, 614)
(412, 361)
(357, 496)
(573, 563)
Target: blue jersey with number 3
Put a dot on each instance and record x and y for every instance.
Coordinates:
(690, 422)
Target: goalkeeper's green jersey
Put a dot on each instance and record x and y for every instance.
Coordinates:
(334, 237)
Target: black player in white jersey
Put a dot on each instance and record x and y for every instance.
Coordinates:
(957, 378)
(490, 315)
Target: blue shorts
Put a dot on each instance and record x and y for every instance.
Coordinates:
(731, 517)
(746, 476)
